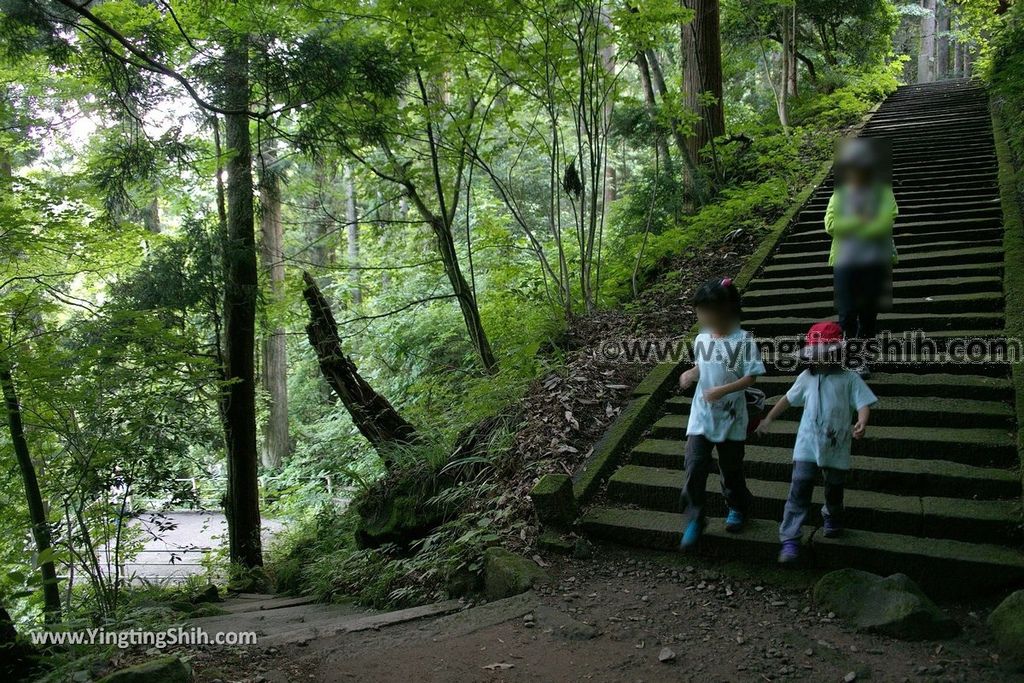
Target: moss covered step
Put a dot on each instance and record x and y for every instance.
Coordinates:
(818, 275)
(812, 262)
(966, 207)
(983, 302)
(908, 411)
(954, 567)
(980, 447)
(991, 323)
(761, 294)
(906, 242)
(939, 363)
(820, 250)
(992, 521)
(908, 276)
(904, 476)
(898, 385)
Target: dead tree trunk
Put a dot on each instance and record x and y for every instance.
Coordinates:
(33, 496)
(240, 293)
(373, 415)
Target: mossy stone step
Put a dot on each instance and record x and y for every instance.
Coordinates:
(899, 385)
(904, 241)
(956, 568)
(913, 364)
(992, 521)
(822, 308)
(906, 411)
(817, 262)
(904, 476)
(963, 227)
(823, 277)
(974, 446)
(985, 323)
(948, 289)
(906, 250)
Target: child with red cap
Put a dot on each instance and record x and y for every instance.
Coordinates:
(830, 395)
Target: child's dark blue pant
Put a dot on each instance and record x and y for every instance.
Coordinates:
(698, 466)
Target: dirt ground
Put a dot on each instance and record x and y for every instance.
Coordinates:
(615, 618)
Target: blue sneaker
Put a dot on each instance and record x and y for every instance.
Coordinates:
(735, 521)
(692, 534)
(790, 552)
(831, 528)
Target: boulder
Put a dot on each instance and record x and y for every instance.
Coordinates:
(891, 605)
(507, 574)
(1007, 624)
(209, 593)
(168, 669)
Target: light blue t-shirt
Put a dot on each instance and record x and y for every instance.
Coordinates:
(830, 400)
(722, 360)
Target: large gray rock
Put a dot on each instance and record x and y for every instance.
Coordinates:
(1007, 624)
(891, 605)
(507, 574)
(168, 669)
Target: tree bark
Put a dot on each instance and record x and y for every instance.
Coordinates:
(926, 55)
(958, 60)
(372, 414)
(701, 52)
(33, 496)
(276, 442)
(352, 236)
(942, 42)
(240, 293)
(791, 57)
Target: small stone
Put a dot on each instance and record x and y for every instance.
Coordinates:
(850, 677)
(666, 655)
(808, 652)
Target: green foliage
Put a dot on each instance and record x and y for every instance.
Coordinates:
(1005, 74)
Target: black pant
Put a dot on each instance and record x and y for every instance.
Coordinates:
(698, 466)
(860, 293)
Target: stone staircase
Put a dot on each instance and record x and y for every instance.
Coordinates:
(936, 487)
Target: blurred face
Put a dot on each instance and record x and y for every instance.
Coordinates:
(715, 321)
(856, 177)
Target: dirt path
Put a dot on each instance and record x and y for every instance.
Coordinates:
(609, 619)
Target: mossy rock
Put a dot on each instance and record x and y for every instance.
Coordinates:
(396, 510)
(208, 611)
(507, 574)
(1007, 624)
(893, 605)
(168, 669)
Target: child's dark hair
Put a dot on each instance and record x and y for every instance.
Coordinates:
(719, 295)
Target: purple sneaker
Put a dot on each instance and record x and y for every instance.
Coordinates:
(790, 552)
(831, 528)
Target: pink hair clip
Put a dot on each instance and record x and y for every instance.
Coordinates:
(726, 281)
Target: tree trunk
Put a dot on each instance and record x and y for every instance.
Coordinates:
(372, 414)
(660, 145)
(352, 235)
(276, 443)
(240, 293)
(33, 496)
(701, 52)
(791, 59)
(926, 55)
(958, 60)
(151, 216)
(942, 42)
(968, 61)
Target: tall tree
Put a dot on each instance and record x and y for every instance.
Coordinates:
(701, 50)
(276, 441)
(352, 236)
(241, 289)
(942, 41)
(926, 55)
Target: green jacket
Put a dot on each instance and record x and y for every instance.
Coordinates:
(879, 227)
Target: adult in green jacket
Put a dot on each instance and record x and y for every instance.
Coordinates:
(860, 218)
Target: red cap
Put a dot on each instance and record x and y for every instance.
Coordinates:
(824, 333)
